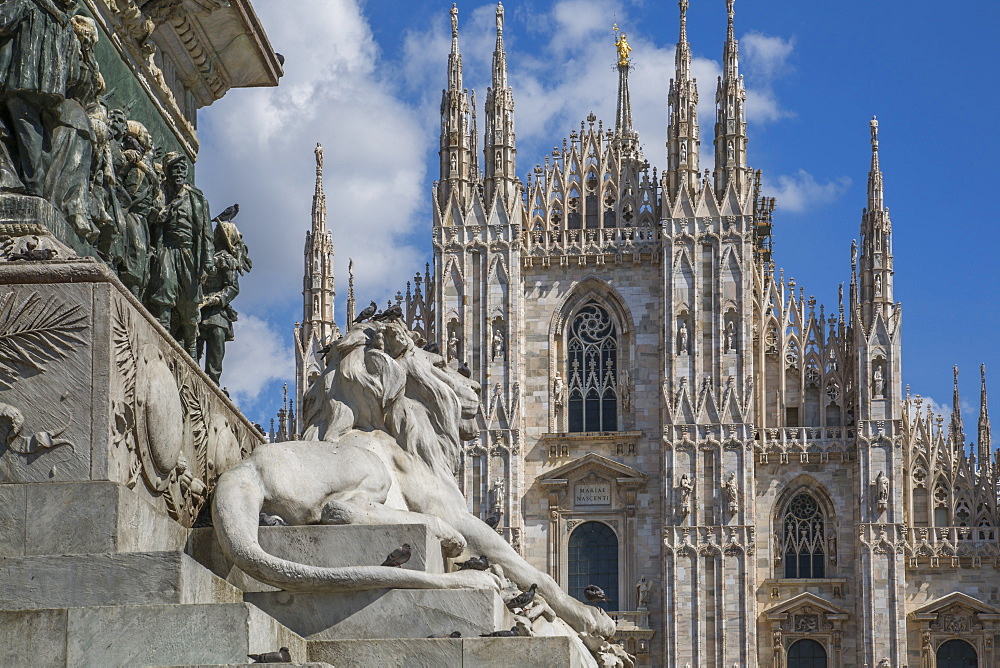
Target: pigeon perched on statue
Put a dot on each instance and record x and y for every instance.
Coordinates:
(453, 634)
(493, 521)
(392, 313)
(522, 600)
(595, 594)
(480, 564)
(281, 656)
(464, 369)
(514, 632)
(399, 556)
(367, 313)
(433, 348)
(229, 213)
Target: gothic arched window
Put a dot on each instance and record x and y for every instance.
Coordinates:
(806, 654)
(593, 560)
(593, 370)
(957, 654)
(803, 538)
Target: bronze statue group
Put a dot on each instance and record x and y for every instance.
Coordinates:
(128, 198)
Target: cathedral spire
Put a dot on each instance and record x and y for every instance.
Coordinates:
(875, 272)
(683, 143)
(730, 125)
(624, 131)
(457, 161)
(499, 152)
(876, 192)
(955, 429)
(318, 289)
(985, 444)
(351, 303)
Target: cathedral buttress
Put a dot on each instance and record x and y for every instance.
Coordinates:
(683, 142)
(459, 171)
(731, 123)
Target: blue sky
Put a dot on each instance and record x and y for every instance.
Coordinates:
(364, 78)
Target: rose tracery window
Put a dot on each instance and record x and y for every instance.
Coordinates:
(593, 370)
(803, 538)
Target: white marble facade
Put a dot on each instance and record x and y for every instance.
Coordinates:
(746, 462)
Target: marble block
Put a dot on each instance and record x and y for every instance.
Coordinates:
(144, 635)
(323, 545)
(386, 613)
(560, 652)
(139, 578)
(82, 518)
(101, 392)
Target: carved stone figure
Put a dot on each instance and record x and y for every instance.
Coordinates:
(140, 187)
(453, 347)
(558, 392)
(384, 434)
(732, 493)
(497, 493)
(878, 285)
(882, 490)
(217, 316)
(682, 338)
(730, 337)
(46, 137)
(499, 344)
(625, 390)
(642, 588)
(685, 487)
(183, 254)
(878, 382)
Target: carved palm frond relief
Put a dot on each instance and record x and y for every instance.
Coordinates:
(35, 332)
(125, 355)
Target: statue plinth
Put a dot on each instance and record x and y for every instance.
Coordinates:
(92, 388)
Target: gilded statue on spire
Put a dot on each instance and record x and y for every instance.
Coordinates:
(623, 47)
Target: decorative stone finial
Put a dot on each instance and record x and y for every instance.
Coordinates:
(454, 21)
(319, 157)
(499, 17)
(874, 126)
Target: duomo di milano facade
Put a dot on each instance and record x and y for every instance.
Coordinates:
(667, 417)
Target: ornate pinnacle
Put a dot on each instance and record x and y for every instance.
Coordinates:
(731, 11)
(684, 7)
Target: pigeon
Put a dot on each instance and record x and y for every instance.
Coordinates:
(514, 632)
(464, 369)
(280, 57)
(32, 252)
(281, 656)
(480, 564)
(394, 312)
(368, 312)
(399, 556)
(453, 634)
(595, 594)
(493, 521)
(229, 213)
(523, 599)
(269, 520)
(433, 348)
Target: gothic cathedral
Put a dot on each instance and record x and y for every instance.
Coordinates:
(665, 416)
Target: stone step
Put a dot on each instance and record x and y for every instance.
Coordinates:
(144, 635)
(82, 518)
(323, 545)
(551, 652)
(386, 613)
(137, 578)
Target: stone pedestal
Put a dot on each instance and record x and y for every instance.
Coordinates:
(94, 389)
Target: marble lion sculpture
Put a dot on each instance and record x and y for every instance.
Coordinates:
(386, 424)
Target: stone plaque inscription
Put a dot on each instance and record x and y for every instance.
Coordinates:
(593, 494)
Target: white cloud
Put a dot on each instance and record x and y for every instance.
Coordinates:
(765, 57)
(259, 151)
(801, 192)
(258, 356)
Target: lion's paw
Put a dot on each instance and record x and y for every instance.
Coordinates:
(589, 619)
(452, 543)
